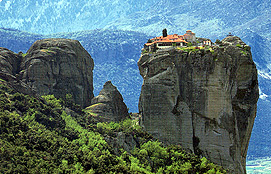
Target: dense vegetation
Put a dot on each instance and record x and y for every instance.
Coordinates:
(38, 136)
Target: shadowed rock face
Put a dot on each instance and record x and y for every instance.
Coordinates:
(109, 105)
(9, 69)
(59, 67)
(9, 61)
(204, 101)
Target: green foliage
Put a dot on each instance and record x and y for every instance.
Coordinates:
(54, 102)
(38, 136)
(24, 54)
(245, 49)
(238, 45)
(68, 102)
(144, 51)
(218, 42)
(189, 44)
(200, 50)
(244, 52)
(48, 51)
(127, 126)
(156, 158)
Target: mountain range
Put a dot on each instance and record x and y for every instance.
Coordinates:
(207, 18)
(124, 26)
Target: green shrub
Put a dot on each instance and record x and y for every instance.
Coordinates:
(24, 54)
(54, 102)
(244, 52)
(218, 42)
(238, 45)
(144, 51)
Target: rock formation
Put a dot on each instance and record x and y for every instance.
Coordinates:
(9, 61)
(59, 67)
(204, 100)
(108, 105)
(9, 69)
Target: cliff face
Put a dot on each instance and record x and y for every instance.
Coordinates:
(51, 66)
(108, 105)
(9, 69)
(204, 100)
(59, 67)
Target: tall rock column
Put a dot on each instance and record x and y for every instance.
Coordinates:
(59, 67)
(204, 100)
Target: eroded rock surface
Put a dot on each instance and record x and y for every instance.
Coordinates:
(59, 67)
(109, 105)
(9, 61)
(206, 101)
(9, 69)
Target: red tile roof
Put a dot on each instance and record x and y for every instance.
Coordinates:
(170, 38)
(180, 40)
(174, 38)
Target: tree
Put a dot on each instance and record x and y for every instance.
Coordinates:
(189, 44)
(165, 32)
(218, 41)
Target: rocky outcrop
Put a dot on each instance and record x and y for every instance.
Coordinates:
(9, 61)
(9, 69)
(205, 100)
(59, 67)
(108, 105)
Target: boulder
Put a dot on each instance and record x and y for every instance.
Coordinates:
(108, 105)
(59, 67)
(204, 100)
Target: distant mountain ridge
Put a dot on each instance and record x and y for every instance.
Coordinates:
(47, 17)
(116, 52)
(206, 18)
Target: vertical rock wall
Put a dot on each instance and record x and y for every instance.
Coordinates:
(206, 101)
(59, 67)
(108, 105)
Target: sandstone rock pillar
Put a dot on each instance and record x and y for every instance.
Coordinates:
(205, 101)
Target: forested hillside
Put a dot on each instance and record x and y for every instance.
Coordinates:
(49, 135)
